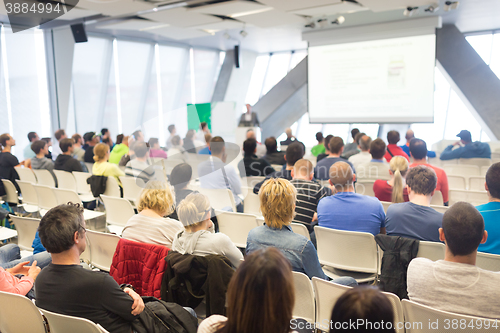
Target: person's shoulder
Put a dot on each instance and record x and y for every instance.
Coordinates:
(420, 265)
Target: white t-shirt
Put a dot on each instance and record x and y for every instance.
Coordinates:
(153, 230)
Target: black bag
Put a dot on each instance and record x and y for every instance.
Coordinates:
(97, 184)
(162, 317)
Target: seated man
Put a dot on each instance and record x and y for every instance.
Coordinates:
(39, 162)
(139, 167)
(327, 148)
(65, 160)
(78, 151)
(309, 193)
(354, 144)
(364, 155)
(67, 288)
(251, 165)
(261, 149)
(347, 210)
(445, 284)
(294, 152)
(418, 150)
(377, 168)
(416, 219)
(273, 156)
(466, 148)
(336, 146)
(392, 148)
(491, 211)
(320, 147)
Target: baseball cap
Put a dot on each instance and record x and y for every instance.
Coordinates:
(88, 136)
(465, 135)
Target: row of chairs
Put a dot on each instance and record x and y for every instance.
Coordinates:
(472, 183)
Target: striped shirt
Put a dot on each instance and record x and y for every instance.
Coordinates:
(153, 230)
(309, 193)
(139, 169)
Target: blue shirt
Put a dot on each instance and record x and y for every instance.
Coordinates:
(205, 151)
(413, 221)
(406, 149)
(37, 244)
(322, 169)
(296, 248)
(351, 212)
(28, 152)
(215, 174)
(471, 150)
(491, 216)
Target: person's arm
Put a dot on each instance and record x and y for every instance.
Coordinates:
(116, 300)
(444, 187)
(383, 231)
(382, 219)
(11, 284)
(229, 249)
(450, 154)
(311, 264)
(117, 172)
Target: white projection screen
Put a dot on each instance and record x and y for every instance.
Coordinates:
(379, 81)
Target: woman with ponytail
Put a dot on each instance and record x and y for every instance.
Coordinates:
(101, 166)
(393, 190)
(194, 214)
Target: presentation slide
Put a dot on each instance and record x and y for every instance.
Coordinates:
(381, 81)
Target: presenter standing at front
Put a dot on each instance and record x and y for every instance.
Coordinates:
(249, 118)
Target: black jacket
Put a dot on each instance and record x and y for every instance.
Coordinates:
(97, 184)
(285, 174)
(189, 279)
(67, 163)
(398, 252)
(277, 157)
(251, 166)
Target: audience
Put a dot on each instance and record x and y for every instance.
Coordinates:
(364, 304)
(466, 148)
(49, 144)
(289, 138)
(138, 136)
(251, 165)
(172, 131)
(273, 156)
(40, 162)
(176, 149)
(206, 150)
(155, 150)
(354, 144)
(150, 225)
(90, 141)
(377, 168)
(106, 138)
(8, 162)
(203, 130)
(28, 152)
(67, 288)
(491, 211)
(320, 147)
(261, 149)
(78, 151)
(189, 145)
(455, 284)
(56, 150)
(140, 167)
(364, 156)
(294, 152)
(277, 204)
(119, 151)
(119, 138)
(418, 150)
(356, 150)
(347, 210)
(196, 239)
(216, 174)
(102, 167)
(410, 135)
(327, 148)
(336, 147)
(416, 219)
(65, 161)
(393, 190)
(392, 148)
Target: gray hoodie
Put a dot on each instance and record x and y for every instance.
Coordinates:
(43, 163)
(203, 243)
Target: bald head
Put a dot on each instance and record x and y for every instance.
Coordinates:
(288, 132)
(409, 135)
(341, 176)
(251, 134)
(364, 143)
(303, 169)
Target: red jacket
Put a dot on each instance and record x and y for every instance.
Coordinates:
(140, 264)
(396, 151)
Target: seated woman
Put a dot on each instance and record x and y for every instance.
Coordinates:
(150, 226)
(194, 213)
(363, 303)
(102, 167)
(393, 190)
(277, 204)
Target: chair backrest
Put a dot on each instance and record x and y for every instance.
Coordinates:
(118, 210)
(65, 180)
(219, 198)
(59, 323)
(89, 166)
(475, 198)
(252, 203)
(305, 306)
(484, 169)
(476, 183)
(327, 293)
(348, 250)
(102, 248)
(19, 314)
(131, 190)
(44, 177)
(81, 182)
(300, 229)
(461, 170)
(46, 197)
(112, 188)
(26, 229)
(236, 226)
(386, 205)
(397, 308)
(456, 182)
(437, 199)
(64, 196)
(11, 191)
(488, 261)
(28, 191)
(26, 175)
(431, 250)
(251, 181)
(365, 187)
(441, 209)
(480, 162)
(418, 318)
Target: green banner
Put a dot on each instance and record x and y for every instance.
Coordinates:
(198, 113)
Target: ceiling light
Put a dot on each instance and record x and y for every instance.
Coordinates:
(311, 25)
(243, 33)
(227, 36)
(251, 12)
(155, 27)
(409, 11)
(450, 5)
(432, 8)
(339, 20)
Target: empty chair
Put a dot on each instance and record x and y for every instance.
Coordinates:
(365, 187)
(305, 306)
(59, 323)
(65, 180)
(437, 199)
(45, 178)
(64, 196)
(252, 204)
(118, 210)
(46, 198)
(327, 293)
(112, 188)
(26, 175)
(131, 189)
(457, 182)
(26, 229)
(461, 170)
(349, 253)
(251, 181)
(221, 199)
(11, 192)
(300, 229)
(488, 261)
(480, 162)
(475, 198)
(236, 226)
(19, 315)
(102, 248)
(29, 196)
(431, 250)
(476, 183)
(81, 182)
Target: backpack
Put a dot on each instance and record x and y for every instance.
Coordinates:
(162, 317)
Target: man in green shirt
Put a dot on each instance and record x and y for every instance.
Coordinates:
(320, 147)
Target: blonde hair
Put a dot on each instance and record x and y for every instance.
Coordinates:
(277, 202)
(100, 151)
(303, 167)
(192, 210)
(399, 167)
(158, 197)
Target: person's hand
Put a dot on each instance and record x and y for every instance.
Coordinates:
(458, 143)
(315, 217)
(19, 268)
(138, 305)
(34, 270)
